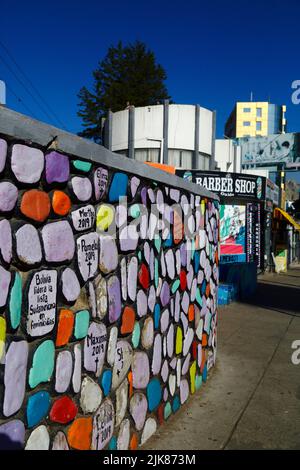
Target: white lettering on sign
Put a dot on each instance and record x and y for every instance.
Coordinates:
(103, 425)
(227, 186)
(42, 303)
(83, 218)
(88, 255)
(95, 348)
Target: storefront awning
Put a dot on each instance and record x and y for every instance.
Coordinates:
(288, 217)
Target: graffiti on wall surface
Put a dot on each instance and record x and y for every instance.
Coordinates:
(233, 232)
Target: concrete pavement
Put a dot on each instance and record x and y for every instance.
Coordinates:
(252, 397)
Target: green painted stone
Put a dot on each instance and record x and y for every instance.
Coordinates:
(156, 275)
(42, 364)
(198, 297)
(136, 335)
(157, 243)
(135, 211)
(175, 286)
(15, 302)
(139, 255)
(198, 381)
(82, 166)
(82, 321)
(167, 410)
(193, 248)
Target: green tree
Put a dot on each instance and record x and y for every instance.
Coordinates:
(127, 75)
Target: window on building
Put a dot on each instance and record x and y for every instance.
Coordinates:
(246, 110)
(258, 126)
(147, 155)
(246, 123)
(258, 112)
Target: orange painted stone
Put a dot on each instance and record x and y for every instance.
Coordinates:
(65, 327)
(35, 205)
(133, 442)
(128, 319)
(191, 312)
(160, 413)
(207, 290)
(61, 203)
(63, 410)
(80, 433)
(130, 380)
(204, 340)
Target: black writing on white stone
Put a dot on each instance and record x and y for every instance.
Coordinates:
(88, 254)
(83, 218)
(95, 348)
(42, 303)
(103, 425)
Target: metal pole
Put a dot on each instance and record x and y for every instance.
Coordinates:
(131, 114)
(165, 131)
(195, 161)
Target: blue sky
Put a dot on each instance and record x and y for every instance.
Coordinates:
(215, 52)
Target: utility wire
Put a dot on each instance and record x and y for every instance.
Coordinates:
(45, 108)
(20, 100)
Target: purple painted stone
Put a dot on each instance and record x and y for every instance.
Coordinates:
(57, 168)
(184, 391)
(95, 348)
(134, 184)
(8, 196)
(3, 153)
(58, 241)
(28, 245)
(164, 320)
(170, 341)
(138, 409)
(151, 195)
(165, 294)
(151, 298)
(15, 376)
(151, 264)
(82, 188)
(27, 163)
(140, 370)
(157, 355)
(183, 254)
(14, 431)
(166, 394)
(70, 285)
(174, 194)
(100, 182)
(5, 240)
(114, 298)
(144, 196)
(132, 278)
(64, 369)
(186, 364)
(108, 260)
(165, 371)
(142, 303)
(129, 238)
(5, 278)
(177, 307)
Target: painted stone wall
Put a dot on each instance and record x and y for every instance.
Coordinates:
(108, 285)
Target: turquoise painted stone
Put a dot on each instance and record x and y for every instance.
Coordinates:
(82, 321)
(118, 187)
(198, 381)
(154, 394)
(106, 382)
(15, 302)
(156, 316)
(82, 166)
(37, 407)
(156, 275)
(198, 297)
(175, 286)
(167, 410)
(136, 334)
(176, 404)
(157, 243)
(42, 364)
(135, 211)
(112, 443)
(140, 256)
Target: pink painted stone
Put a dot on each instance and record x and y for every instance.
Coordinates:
(134, 184)
(15, 377)
(8, 196)
(114, 298)
(164, 320)
(5, 278)
(165, 394)
(165, 371)
(132, 278)
(157, 355)
(129, 238)
(108, 259)
(70, 285)
(5, 240)
(95, 348)
(174, 194)
(28, 245)
(82, 188)
(3, 154)
(199, 355)
(165, 294)
(170, 341)
(184, 391)
(186, 364)
(27, 163)
(140, 370)
(58, 241)
(142, 303)
(100, 182)
(138, 409)
(64, 369)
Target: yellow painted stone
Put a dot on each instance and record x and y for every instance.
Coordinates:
(2, 335)
(179, 340)
(202, 207)
(105, 217)
(193, 376)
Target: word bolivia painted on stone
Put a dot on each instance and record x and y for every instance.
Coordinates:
(42, 303)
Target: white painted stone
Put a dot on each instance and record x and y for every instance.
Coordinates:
(170, 264)
(58, 241)
(15, 376)
(151, 298)
(92, 298)
(164, 320)
(185, 323)
(142, 303)
(108, 259)
(70, 285)
(88, 255)
(149, 429)
(101, 296)
(164, 346)
(129, 238)
(147, 252)
(124, 435)
(5, 240)
(121, 215)
(28, 245)
(173, 363)
(122, 362)
(157, 355)
(39, 439)
(83, 218)
(82, 188)
(186, 364)
(103, 425)
(170, 341)
(95, 348)
(165, 371)
(27, 163)
(91, 395)
(185, 302)
(138, 409)
(178, 372)
(123, 265)
(64, 369)
(172, 384)
(60, 442)
(163, 265)
(147, 336)
(184, 391)
(199, 355)
(177, 307)
(121, 401)
(199, 329)
(112, 343)
(140, 370)
(76, 378)
(5, 278)
(132, 278)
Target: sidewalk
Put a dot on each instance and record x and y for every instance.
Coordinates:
(252, 398)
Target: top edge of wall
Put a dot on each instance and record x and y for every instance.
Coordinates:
(31, 131)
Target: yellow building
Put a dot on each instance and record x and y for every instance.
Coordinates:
(251, 119)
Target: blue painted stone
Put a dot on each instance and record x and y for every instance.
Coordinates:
(204, 373)
(37, 407)
(106, 382)
(169, 241)
(203, 287)
(196, 261)
(118, 187)
(15, 302)
(156, 316)
(154, 394)
(176, 404)
(112, 443)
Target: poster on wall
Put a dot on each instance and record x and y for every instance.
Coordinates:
(254, 231)
(232, 233)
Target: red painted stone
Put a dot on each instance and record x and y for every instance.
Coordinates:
(144, 276)
(63, 410)
(160, 413)
(183, 282)
(35, 204)
(194, 350)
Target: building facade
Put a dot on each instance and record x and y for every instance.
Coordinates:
(251, 119)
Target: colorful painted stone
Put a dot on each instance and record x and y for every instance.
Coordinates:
(42, 364)
(83, 218)
(165, 294)
(80, 433)
(91, 395)
(5, 240)
(88, 255)
(39, 439)
(118, 187)
(8, 196)
(142, 304)
(179, 338)
(3, 154)
(63, 410)
(27, 163)
(122, 362)
(138, 409)
(37, 407)
(128, 320)
(136, 334)
(82, 320)
(147, 333)
(106, 380)
(60, 442)
(114, 298)
(82, 165)
(124, 435)
(105, 217)
(82, 188)
(15, 377)
(57, 168)
(12, 435)
(76, 377)
(154, 394)
(95, 348)
(15, 302)
(121, 402)
(28, 245)
(100, 182)
(70, 286)
(58, 241)
(149, 429)
(2, 336)
(129, 238)
(103, 425)
(63, 372)
(143, 276)
(132, 278)
(61, 203)
(140, 370)
(193, 376)
(35, 205)
(108, 260)
(41, 303)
